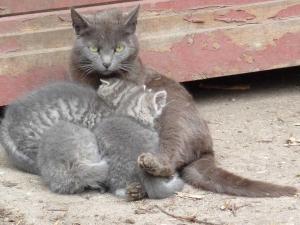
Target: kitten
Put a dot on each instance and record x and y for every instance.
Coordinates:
(69, 161)
(124, 136)
(106, 46)
(39, 117)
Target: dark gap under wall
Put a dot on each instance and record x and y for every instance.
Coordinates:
(254, 81)
(2, 110)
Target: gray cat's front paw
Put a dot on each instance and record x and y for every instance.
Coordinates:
(135, 191)
(152, 165)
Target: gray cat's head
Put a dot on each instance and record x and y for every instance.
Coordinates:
(135, 101)
(106, 41)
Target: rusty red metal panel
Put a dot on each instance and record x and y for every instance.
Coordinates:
(196, 40)
(8, 7)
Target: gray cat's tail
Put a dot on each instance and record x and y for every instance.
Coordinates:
(159, 187)
(19, 160)
(203, 173)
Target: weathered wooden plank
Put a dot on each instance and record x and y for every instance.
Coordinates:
(38, 37)
(187, 44)
(177, 24)
(8, 7)
(32, 22)
(197, 45)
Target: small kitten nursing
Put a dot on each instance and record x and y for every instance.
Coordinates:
(28, 118)
(69, 161)
(40, 131)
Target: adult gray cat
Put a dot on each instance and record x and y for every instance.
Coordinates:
(128, 133)
(106, 46)
(34, 117)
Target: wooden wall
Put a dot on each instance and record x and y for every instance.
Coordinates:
(184, 39)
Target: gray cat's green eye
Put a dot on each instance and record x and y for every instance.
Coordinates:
(120, 47)
(93, 48)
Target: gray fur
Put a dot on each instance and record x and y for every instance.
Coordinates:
(69, 160)
(33, 118)
(131, 132)
(104, 32)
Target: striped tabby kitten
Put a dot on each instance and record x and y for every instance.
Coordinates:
(41, 131)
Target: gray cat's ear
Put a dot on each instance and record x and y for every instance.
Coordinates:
(131, 20)
(160, 101)
(79, 24)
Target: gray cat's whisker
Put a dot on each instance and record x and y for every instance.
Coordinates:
(87, 69)
(126, 68)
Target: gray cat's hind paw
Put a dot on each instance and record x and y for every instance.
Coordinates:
(152, 165)
(135, 191)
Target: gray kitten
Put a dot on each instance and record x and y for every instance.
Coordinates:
(69, 160)
(34, 123)
(131, 131)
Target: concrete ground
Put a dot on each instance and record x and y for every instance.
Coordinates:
(250, 128)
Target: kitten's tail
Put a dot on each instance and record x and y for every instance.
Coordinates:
(203, 173)
(19, 160)
(159, 187)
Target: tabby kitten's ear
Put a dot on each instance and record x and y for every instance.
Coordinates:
(79, 24)
(160, 101)
(131, 20)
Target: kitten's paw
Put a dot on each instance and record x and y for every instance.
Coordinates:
(151, 164)
(135, 191)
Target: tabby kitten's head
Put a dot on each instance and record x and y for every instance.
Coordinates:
(105, 42)
(134, 101)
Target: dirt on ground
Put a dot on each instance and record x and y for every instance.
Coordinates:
(255, 130)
